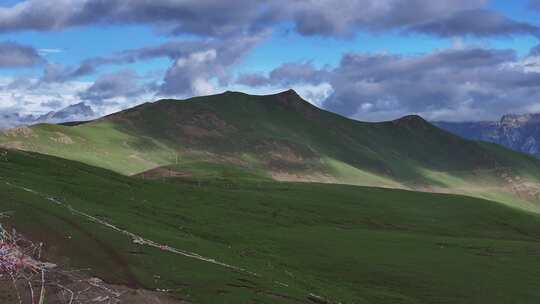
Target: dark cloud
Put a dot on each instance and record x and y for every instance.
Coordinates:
(196, 65)
(439, 18)
(449, 84)
(285, 75)
(54, 72)
(14, 55)
(289, 73)
(125, 83)
(453, 84)
(253, 80)
(52, 104)
(60, 73)
(201, 17)
(216, 18)
(481, 23)
(458, 82)
(332, 18)
(171, 50)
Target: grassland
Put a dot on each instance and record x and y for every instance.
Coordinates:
(346, 244)
(285, 138)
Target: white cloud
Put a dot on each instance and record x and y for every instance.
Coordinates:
(201, 86)
(29, 99)
(315, 94)
(45, 52)
(528, 64)
(20, 98)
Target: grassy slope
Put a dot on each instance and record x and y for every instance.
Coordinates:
(287, 138)
(348, 244)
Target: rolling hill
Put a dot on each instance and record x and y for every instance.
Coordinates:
(283, 137)
(254, 240)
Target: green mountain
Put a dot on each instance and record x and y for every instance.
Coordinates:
(253, 240)
(285, 138)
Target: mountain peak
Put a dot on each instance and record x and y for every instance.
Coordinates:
(74, 112)
(228, 92)
(514, 120)
(290, 96)
(410, 120)
(293, 101)
(289, 92)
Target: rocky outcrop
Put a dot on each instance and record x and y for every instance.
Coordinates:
(517, 132)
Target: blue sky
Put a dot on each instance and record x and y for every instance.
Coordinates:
(77, 44)
(137, 50)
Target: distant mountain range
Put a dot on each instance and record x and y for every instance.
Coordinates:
(75, 112)
(517, 132)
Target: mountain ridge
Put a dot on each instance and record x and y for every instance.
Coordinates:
(283, 137)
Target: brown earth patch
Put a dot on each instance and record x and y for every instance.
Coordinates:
(283, 153)
(14, 145)
(204, 125)
(198, 132)
(86, 289)
(20, 131)
(143, 296)
(308, 177)
(146, 162)
(209, 120)
(522, 187)
(207, 156)
(160, 172)
(27, 276)
(62, 138)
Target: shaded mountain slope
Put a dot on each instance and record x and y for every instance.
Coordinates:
(283, 137)
(308, 243)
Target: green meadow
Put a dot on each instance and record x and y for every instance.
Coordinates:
(345, 244)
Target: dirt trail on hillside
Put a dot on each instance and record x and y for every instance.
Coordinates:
(150, 243)
(135, 237)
